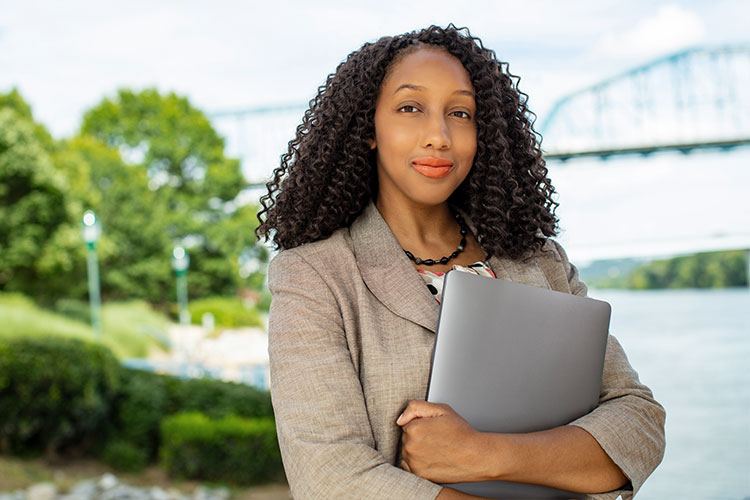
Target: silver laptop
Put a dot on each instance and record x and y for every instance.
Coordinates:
(516, 358)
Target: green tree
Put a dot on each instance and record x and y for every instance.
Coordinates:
(134, 250)
(33, 205)
(175, 142)
(175, 187)
(703, 270)
(183, 158)
(13, 100)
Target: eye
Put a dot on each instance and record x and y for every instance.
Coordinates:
(461, 114)
(408, 109)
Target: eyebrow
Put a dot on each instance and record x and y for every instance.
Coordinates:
(411, 86)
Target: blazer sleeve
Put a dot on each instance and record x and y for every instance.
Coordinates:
(325, 436)
(628, 423)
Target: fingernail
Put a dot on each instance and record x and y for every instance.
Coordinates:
(398, 420)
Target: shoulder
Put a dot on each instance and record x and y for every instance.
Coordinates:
(561, 274)
(553, 253)
(325, 259)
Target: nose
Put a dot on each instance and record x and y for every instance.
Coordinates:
(437, 134)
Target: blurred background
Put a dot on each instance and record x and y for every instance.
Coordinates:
(135, 141)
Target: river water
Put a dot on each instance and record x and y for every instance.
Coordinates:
(692, 347)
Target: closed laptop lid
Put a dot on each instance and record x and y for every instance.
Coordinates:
(514, 358)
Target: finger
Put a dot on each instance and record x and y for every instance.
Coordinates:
(420, 409)
(405, 466)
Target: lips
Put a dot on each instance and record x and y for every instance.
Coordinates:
(432, 167)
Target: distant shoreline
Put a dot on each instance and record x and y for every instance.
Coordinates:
(725, 269)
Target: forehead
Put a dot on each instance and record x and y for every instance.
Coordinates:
(427, 67)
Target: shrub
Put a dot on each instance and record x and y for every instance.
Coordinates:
(139, 409)
(216, 398)
(124, 456)
(146, 398)
(227, 311)
(54, 393)
(60, 394)
(241, 451)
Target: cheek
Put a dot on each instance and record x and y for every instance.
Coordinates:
(469, 144)
(393, 141)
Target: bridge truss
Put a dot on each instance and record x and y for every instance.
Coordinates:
(694, 99)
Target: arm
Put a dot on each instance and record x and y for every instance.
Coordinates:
(439, 445)
(628, 424)
(621, 440)
(324, 433)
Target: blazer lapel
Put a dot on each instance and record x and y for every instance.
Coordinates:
(388, 273)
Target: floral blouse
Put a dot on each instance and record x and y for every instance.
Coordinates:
(434, 280)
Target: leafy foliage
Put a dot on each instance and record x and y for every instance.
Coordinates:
(703, 270)
(175, 142)
(217, 399)
(61, 395)
(124, 456)
(174, 185)
(13, 100)
(55, 393)
(182, 159)
(145, 399)
(134, 248)
(140, 406)
(32, 204)
(243, 451)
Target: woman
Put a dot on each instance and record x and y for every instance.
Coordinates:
(417, 156)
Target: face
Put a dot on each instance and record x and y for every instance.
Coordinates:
(425, 130)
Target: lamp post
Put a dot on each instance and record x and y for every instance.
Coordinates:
(91, 232)
(180, 263)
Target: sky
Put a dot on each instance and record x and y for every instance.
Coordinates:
(64, 57)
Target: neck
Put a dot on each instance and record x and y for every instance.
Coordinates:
(417, 225)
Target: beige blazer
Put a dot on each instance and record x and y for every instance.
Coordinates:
(350, 341)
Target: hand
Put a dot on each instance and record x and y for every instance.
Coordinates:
(438, 445)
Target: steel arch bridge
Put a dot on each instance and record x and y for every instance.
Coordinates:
(694, 99)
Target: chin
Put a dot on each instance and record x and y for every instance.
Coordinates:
(430, 198)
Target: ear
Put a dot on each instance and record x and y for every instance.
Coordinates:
(373, 145)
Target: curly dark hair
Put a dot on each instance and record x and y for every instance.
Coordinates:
(328, 174)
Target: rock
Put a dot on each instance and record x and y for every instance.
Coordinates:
(73, 496)
(124, 492)
(217, 493)
(205, 493)
(86, 489)
(200, 493)
(16, 495)
(108, 481)
(158, 494)
(222, 493)
(108, 487)
(41, 491)
(175, 494)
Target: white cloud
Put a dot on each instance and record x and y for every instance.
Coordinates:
(673, 27)
(65, 56)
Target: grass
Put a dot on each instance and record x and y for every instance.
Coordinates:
(130, 329)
